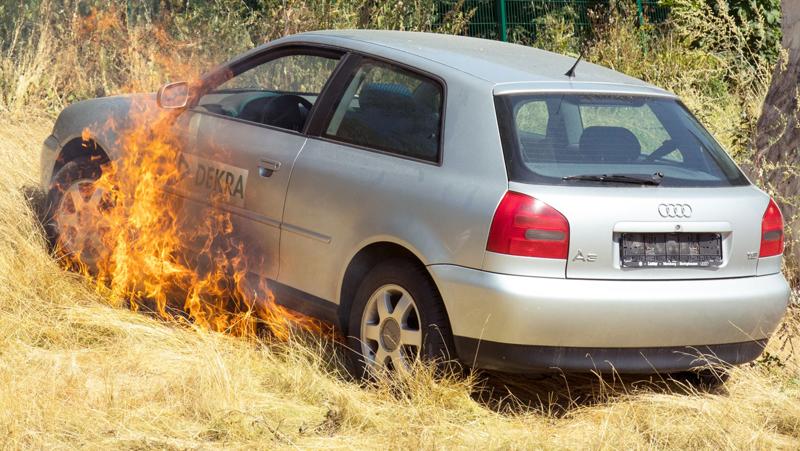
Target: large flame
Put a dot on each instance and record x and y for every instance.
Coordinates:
(142, 240)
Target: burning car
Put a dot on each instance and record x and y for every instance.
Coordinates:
(443, 197)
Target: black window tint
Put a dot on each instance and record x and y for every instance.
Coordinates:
(390, 109)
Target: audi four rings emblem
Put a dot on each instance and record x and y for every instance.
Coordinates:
(675, 210)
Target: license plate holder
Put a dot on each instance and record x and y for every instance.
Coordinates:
(645, 250)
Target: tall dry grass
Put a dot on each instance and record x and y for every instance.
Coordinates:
(78, 372)
(55, 52)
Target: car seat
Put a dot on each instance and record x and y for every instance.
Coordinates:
(602, 144)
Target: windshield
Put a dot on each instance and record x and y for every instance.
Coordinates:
(569, 138)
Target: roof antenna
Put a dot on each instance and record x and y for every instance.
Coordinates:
(571, 72)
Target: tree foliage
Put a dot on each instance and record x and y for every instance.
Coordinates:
(758, 22)
(763, 20)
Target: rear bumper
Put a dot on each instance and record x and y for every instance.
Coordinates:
(524, 323)
(526, 358)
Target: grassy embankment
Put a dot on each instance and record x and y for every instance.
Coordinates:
(75, 370)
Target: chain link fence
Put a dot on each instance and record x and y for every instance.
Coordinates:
(505, 20)
(521, 20)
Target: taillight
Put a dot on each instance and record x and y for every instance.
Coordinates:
(771, 231)
(528, 227)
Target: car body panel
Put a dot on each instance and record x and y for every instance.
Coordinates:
(354, 197)
(598, 215)
(50, 149)
(769, 265)
(493, 61)
(610, 313)
(102, 118)
(247, 153)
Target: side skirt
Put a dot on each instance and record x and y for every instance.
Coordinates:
(305, 303)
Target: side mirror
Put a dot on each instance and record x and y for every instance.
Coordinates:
(173, 96)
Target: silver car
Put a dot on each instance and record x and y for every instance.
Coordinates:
(448, 197)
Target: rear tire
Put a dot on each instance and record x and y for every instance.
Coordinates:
(397, 317)
(704, 379)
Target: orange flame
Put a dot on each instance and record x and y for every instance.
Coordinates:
(141, 256)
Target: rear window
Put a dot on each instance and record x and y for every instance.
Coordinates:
(549, 137)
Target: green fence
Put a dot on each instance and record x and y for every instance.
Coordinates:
(521, 20)
(506, 20)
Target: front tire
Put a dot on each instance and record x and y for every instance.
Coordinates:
(77, 208)
(397, 317)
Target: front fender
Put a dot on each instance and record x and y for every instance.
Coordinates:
(100, 120)
(103, 118)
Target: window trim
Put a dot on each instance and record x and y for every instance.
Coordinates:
(335, 96)
(327, 101)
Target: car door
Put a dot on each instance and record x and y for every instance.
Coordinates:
(363, 172)
(245, 134)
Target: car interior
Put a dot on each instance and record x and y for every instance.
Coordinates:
(567, 140)
(392, 116)
(287, 110)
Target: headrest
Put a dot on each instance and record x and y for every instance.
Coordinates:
(609, 145)
(386, 96)
(427, 97)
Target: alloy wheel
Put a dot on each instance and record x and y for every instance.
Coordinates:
(391, 336)
(79, 220)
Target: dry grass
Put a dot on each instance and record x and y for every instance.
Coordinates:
(76, 372)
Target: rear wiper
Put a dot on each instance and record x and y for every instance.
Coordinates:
(654, 179)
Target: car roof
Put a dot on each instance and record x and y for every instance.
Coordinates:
(518, 67)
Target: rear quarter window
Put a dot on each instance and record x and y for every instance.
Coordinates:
(390, 109)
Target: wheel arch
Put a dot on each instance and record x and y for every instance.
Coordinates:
(80, 147)
(369, 255)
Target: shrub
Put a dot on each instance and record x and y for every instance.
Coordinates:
(54, 52)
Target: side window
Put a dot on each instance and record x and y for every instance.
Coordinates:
(279, 92)
(390, 109)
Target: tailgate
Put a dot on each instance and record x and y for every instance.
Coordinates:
(658, 233)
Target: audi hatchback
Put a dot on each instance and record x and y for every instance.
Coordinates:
(449, 197)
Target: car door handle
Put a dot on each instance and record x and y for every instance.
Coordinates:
(267, 167)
